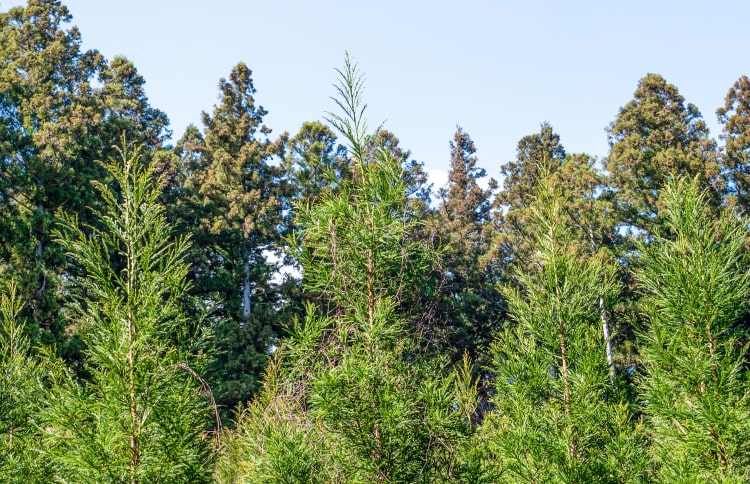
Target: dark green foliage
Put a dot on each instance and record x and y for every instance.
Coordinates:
(655, 137)
(695, 385)
(141, 417)
(315, 162)
(228, 194)
(735, 116)
(469, 309)
(61, 108)
(538, 155)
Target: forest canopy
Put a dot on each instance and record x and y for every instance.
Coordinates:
(240, 306)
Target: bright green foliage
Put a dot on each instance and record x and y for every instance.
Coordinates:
(361, 229)
(469, 307)
(654, 138)
(60, 109)
(351, 400)
(228, 194)
(23, 379)
(141, 417)
(735, 116)
(275, 440)
(556, 417)
(695, 387)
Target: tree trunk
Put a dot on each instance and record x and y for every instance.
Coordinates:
(605, 322)
(608, 341)
(246, 282)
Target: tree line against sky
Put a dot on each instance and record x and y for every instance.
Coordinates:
(584, 320)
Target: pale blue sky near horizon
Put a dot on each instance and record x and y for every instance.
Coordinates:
(499, 69)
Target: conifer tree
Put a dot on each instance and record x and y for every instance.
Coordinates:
(23, 380)
(230, 197)
(538, 155)
(142, 416)
(350, 399)
(469, 303)
(735, 116)
(61, 108)
(557, 417)
(655, 137)
(695, 387)
(315, 161)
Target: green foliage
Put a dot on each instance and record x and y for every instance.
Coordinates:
(468, 307)
(314, 162)
(141, 417)
(60, 109)
(695, 386)
(351, 401)
(556, 416)
(655, 137)
(228, 194)
(735, 116)
(23, 381)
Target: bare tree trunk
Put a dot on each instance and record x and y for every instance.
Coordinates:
(605, 322)
(246, 292)
(608, 341)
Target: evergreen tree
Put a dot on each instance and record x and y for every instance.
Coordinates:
(61, 108)
(231, 200)
(538, 155)
(23, 380)
(556, 416)
(656, 137)
(351, 401)
(469, 307)
(315, 161)
(735, 116)
(141, 417)
(695, 385)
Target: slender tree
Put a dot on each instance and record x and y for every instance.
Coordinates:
(556, 417)
(350, 397)
(469, 308)
(24, 379)
(142, 416)
(695, 388)
(229, 195)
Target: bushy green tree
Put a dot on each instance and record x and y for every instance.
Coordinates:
(537, 155)
(315, 162)
(469, 308)
(557, 418)
(354, 402)
(654, 137)
(694, 386)
(228, 193)
(142, 417)
(61, 108)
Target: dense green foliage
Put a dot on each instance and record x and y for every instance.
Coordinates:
(305, 308)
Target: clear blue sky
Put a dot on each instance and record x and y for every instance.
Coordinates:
(497, 68)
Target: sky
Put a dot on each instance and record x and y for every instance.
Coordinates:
(497, 68)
